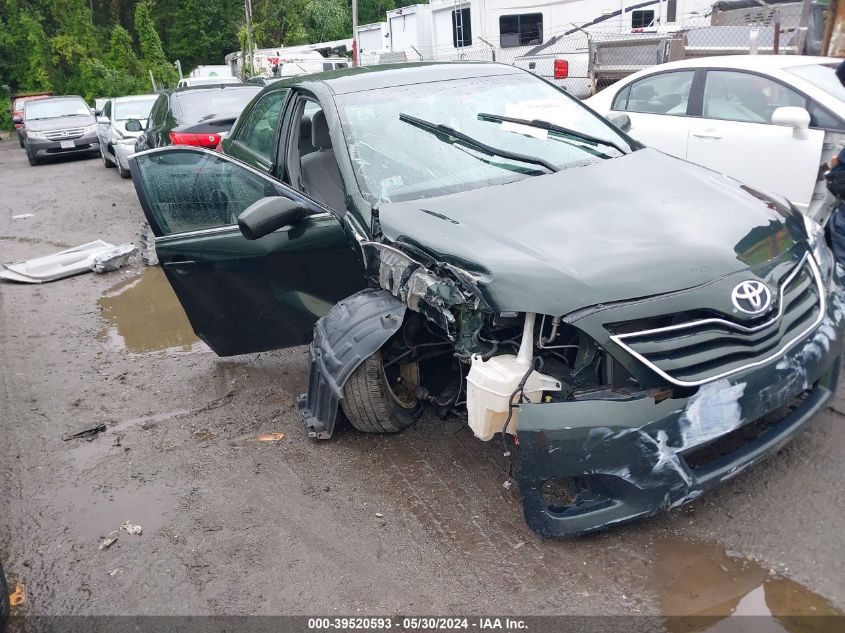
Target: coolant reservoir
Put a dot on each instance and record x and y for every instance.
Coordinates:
(490, 384)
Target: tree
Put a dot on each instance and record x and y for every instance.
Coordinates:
(327, 20)
(203, 31)
(154, 60)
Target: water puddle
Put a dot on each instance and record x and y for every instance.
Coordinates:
(704, 591)
(92, 516)
(144, 315)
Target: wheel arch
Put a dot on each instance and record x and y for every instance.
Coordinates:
(354, 329)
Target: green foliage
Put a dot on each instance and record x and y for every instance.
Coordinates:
(108, 47)
(5, 114)
(154, 59)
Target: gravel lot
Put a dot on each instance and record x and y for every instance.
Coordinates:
(419, 522)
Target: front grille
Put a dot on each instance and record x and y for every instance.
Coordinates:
(64, 135)
(695, 352)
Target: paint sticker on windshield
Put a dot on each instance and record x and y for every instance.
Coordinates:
(392, 182)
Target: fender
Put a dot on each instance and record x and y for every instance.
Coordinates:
(353, 329)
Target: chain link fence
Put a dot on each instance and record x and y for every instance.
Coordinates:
(583, 61)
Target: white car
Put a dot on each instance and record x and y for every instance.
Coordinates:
(116, 142)
(770, 121)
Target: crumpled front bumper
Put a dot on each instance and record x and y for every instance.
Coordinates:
(633, 458)
(122, 152)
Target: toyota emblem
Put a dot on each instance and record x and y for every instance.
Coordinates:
(751, 297)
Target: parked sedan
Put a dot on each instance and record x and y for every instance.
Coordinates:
(116, 142)
(58, 126)
(467, 237)
(192, 116)
(770, 121)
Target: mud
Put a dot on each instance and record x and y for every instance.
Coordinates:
(419, 522)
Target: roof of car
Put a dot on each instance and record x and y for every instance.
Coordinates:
(356, 79)
(130, 98)
(748, 62)
(209, 87)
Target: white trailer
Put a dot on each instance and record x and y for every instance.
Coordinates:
(409, 31)
(373, 38)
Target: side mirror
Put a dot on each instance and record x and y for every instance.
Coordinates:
(796, 118)
(269, 214)
(17, 119)
(98, 112)
(102, 119)
(133, 125)
(620, 120)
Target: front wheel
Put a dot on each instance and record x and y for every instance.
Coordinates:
(32, 160)
(124, 173)
(106, 161)
(380, 396)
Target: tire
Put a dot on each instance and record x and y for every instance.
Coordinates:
(106, 162)
(32, 160)
(20, 139)
(124, 173)
(372, 405)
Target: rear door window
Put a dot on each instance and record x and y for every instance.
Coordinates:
(257, 133)
(745, 97)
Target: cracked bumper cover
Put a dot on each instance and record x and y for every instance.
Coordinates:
(632, 455)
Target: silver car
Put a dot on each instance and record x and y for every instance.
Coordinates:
(58, 126)
(116, 143)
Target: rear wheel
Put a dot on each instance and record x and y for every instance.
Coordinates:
(380, 396)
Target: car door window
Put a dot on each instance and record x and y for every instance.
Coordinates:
(192, 190)
(258, 132)
(107, 110)
(664, 93)
(311, 162)
(745, 97)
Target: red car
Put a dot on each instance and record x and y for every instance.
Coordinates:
(17, 109)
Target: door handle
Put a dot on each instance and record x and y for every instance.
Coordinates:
(180, 265)
(711, 134)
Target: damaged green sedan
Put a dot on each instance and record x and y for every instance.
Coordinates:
(635, 329)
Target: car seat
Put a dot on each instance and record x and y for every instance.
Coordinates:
(320, 175)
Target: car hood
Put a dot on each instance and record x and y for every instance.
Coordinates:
(640, 225)
(60, 123)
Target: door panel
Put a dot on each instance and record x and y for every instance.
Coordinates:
(764, 156)
(240, 295)
(735, 136)
(666, 133)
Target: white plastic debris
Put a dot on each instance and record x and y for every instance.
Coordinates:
(108, 542)
(66, 263)
(131, 529)
(23, 216)
(113, 258)
(148, 248)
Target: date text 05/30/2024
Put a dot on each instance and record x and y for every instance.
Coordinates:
(415, 624)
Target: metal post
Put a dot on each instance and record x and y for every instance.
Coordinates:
(354, 32)
(249, 43)
(777, 32)
(152, 79)
(178, 65)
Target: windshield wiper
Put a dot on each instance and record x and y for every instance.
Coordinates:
(551, 127)
(445, 130)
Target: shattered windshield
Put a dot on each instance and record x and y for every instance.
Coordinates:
(396, 160)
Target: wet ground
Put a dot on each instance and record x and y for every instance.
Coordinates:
(234, 523)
